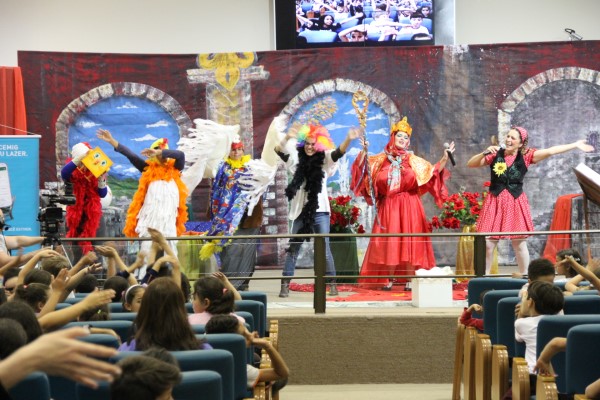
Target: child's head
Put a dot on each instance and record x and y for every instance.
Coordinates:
(144, 378)
(541, 269)
(34, 294)
(212, 296)
(24, 315)
(132, 299)
(54, 264)
(566, 268)
(87, 284)
(162, 318)
(228, 324)
(9, 280)
(101, 313)
(12, 336)
(543, 298)
(118, 284)
(38, 276)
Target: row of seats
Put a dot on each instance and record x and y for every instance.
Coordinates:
(218, 374)
(482, 360)
(254, 303)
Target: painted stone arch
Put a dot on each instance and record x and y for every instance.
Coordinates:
(508, 107)
(343, 85)
(127, 89)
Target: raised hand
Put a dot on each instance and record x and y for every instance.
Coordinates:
(105, 135)
(106, 251)
(583, 146)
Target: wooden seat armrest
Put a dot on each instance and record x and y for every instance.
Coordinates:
(520, 379)
(500, 371)
(545, 388)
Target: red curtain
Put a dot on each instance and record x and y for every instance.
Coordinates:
(561, 221)
(13, 119)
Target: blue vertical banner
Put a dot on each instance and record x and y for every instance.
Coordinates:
(19, 183)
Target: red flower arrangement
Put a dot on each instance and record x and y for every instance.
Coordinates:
(344, 215)
(460, 209)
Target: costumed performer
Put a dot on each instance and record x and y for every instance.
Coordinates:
(83, 217)
(307, 192)
(506, 207)
(399, 180)
(160, 200)
(229, 215)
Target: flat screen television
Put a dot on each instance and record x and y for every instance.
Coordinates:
(302, 24)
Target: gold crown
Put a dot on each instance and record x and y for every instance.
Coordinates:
(402, 126)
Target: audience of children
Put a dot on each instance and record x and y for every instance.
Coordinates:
(162, 320)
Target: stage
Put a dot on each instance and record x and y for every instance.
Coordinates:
(360, 342)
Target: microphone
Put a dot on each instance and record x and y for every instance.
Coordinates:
(502, 146)
(450, 155)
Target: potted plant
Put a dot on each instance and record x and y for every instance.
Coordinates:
(344, 219)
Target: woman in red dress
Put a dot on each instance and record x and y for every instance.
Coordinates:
(506, 208)
(399, 180)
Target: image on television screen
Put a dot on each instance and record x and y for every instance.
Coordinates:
(323, 23)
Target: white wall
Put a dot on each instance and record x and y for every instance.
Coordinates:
(506, 21)
(203, 26)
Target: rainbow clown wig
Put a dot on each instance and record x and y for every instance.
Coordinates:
(318, 133)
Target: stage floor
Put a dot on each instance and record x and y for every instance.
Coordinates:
(301, 302)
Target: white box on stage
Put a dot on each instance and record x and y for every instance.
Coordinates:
(432, 292)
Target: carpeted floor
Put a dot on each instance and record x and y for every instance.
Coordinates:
(355, 293)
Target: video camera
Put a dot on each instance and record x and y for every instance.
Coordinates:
(51, 215)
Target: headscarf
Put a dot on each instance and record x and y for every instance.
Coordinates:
(395, 154)
(524, 137)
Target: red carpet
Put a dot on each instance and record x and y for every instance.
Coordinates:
(459, 292)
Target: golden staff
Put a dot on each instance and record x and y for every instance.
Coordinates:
(361, 113)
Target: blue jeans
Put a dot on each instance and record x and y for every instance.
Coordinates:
(320, 225)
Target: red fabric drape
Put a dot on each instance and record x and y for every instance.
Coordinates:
(561, 220)
(13, 120)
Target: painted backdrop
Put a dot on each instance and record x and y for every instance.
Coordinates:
(468, 94)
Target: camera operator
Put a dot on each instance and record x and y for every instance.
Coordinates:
(8, 243)
(83, 216)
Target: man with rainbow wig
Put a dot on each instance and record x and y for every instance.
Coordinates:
(307, 192)
(159, 202)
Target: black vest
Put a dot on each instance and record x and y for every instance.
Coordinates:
(511, 179)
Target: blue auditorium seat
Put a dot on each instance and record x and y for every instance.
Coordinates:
(205, 385)
(123, 316)
(257, 309)
(319, 36)
(552, 326)
(490, 311)
(582, 355)
(217, 360)
(506, 326)
(101, 339)
(122, 327)
(236, 345)
(35, 386)
(582, 305)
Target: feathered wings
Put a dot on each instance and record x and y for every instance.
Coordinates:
(207, 144)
